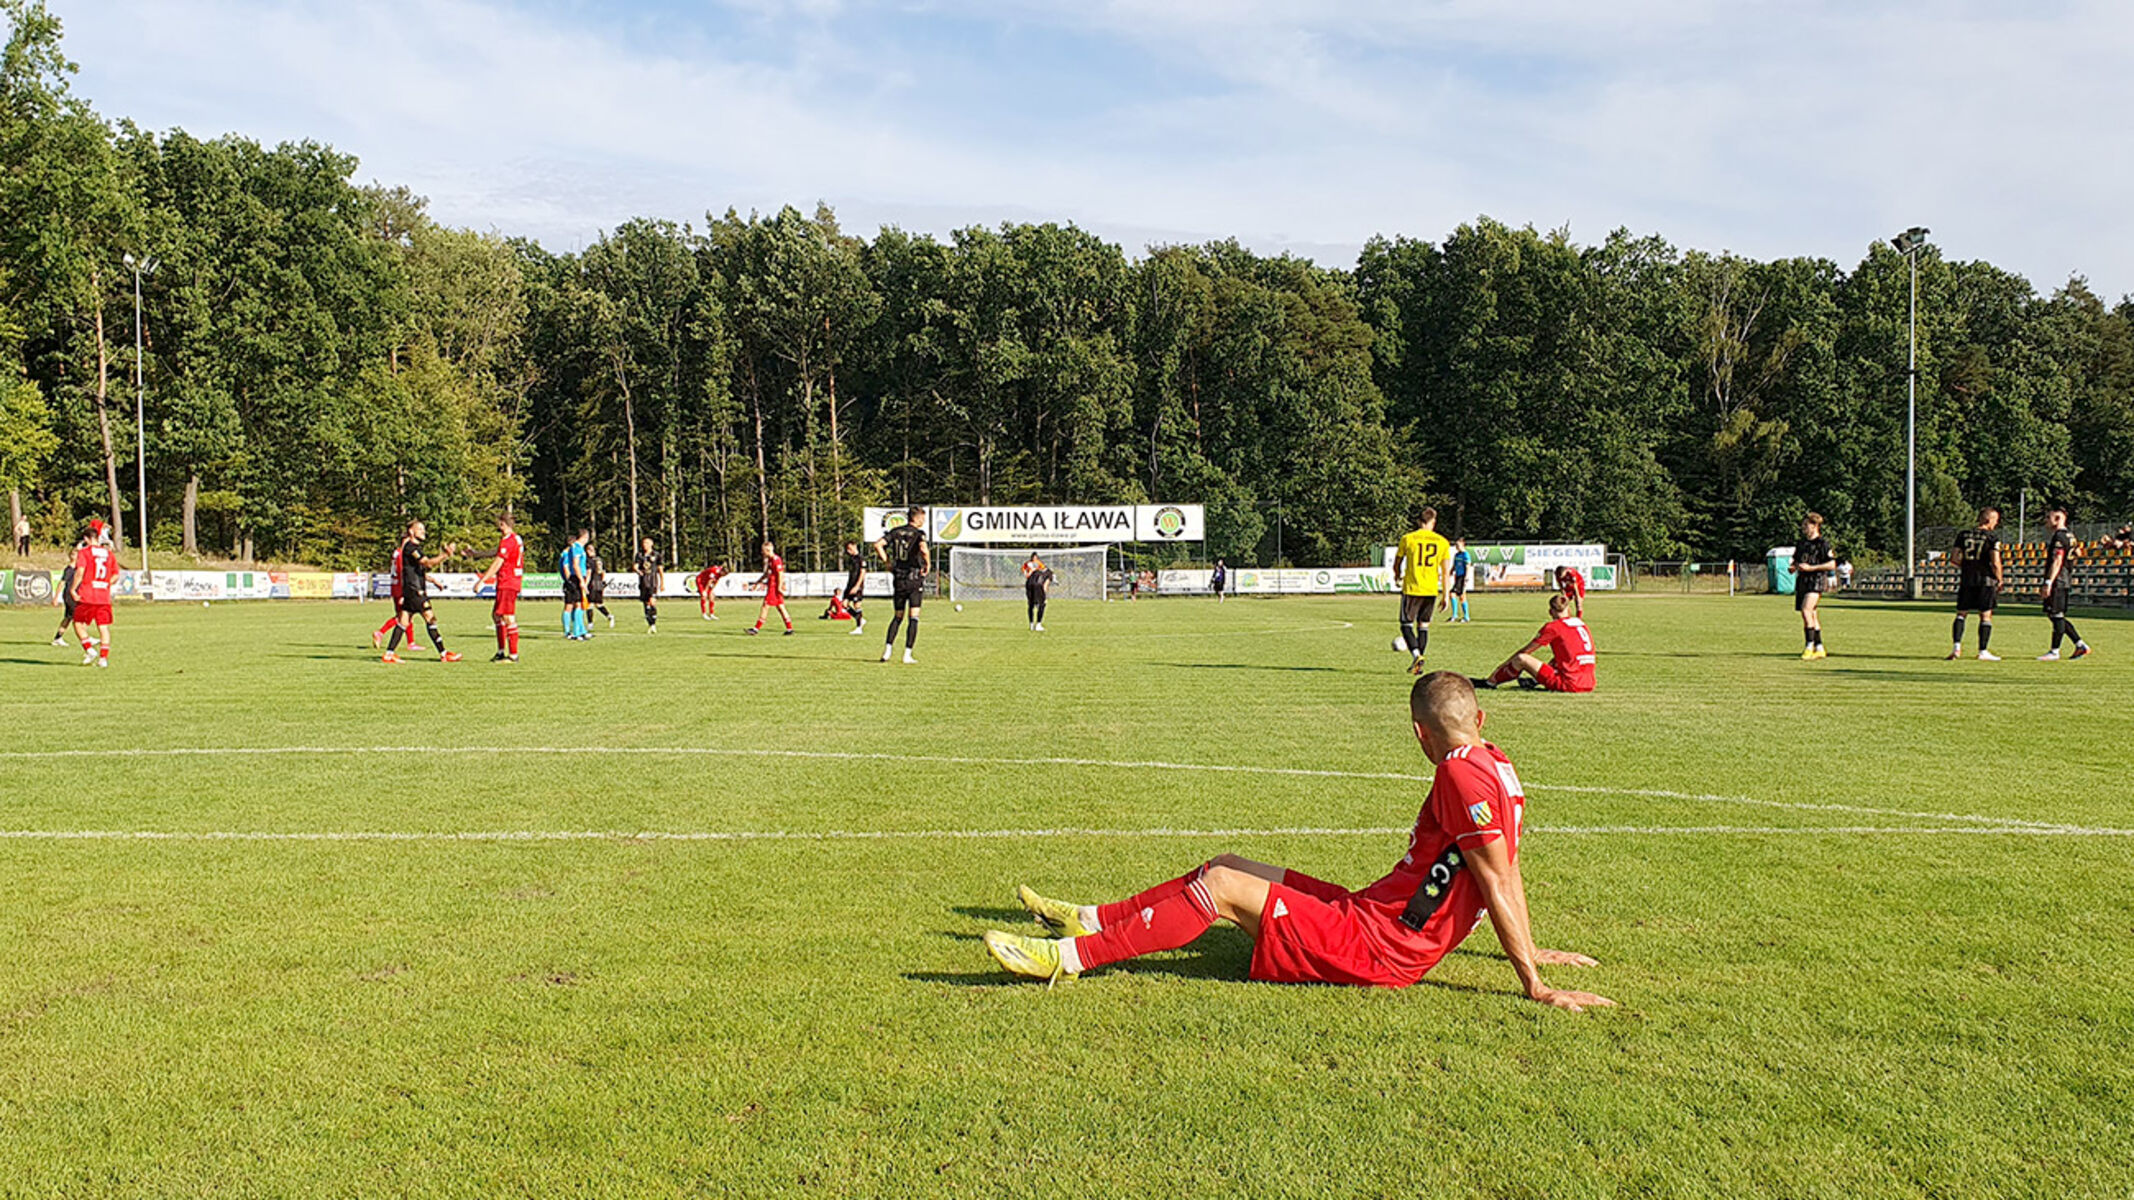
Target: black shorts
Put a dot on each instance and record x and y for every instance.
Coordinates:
(855, 591)
(66, 617)
(2056, 599)
(573, 592)
(1459, 585)
(647, 590)
(598, 595)
(414, 602)
(1801, 592)
(1416, 610)
(908, 590)
(1977, 597)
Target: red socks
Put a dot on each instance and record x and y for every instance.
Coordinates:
(1505, 674)
(1163, 918)
(511, 640)
(389, 623)
(1109, 915)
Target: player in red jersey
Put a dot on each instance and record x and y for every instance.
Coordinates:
(707, 589)
(1573, 584)
(392, 619)
(772, 581)
(1462, 860)
(507, 570)
(1571, 657)
(96, 569)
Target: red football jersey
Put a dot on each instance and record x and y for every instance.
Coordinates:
(774, 574)
(95, 570)
(1475, 799)
(396, 566)
(1574, 584)
(1570, 646)
(511, 562)
(708, 578)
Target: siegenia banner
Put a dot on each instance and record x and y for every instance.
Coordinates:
(1052, 525)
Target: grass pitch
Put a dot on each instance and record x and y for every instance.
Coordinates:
(1868, 919)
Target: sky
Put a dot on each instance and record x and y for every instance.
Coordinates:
(1306, 126)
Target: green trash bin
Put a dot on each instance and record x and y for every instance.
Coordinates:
(1778, 564)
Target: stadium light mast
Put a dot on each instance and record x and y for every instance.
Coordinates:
(141, 266)
(1909, 244)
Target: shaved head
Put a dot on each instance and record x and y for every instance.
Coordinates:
(1444, 701)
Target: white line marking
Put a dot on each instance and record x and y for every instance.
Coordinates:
(884, 835)
(981, 761)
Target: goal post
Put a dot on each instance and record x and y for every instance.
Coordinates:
(979, 573)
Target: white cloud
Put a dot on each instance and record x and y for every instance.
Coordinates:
(1806, 128)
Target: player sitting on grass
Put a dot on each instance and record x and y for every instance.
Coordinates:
(1571, 658)
(1463, 859)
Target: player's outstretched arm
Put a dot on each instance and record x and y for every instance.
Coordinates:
(1505, 894)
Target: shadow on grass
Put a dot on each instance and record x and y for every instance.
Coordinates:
(1261, 667)
(1896, 676)
(39, 662)
(983, 913)
(1223, 954)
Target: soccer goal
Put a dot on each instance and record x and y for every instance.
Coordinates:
(975, 573)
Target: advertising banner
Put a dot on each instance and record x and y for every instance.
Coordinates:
(36, 587)
(1050, 525)
(214, 585)
(322, 585)
(1323, 581)
(1534, 566)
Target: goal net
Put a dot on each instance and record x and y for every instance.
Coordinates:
(975, 573)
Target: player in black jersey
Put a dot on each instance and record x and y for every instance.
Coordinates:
(853, 597)
(1977, 555)
(2059, 564)
(904, 550)
(649, 571)
(596, 583)
(414, 595)
(1813, 565)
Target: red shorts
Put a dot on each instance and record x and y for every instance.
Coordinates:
(774, 599)
(88, 612)
(507, 603)
(1310, 934)
(1555, 680)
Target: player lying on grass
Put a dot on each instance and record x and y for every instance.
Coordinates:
(1571, 657)
(1462, 860)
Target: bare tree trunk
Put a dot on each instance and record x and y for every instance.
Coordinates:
(763, 475)
(103, 420)
(14, 516)
(629, 429)
(192, 506)
(837, 468)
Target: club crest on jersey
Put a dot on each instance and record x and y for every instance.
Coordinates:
(1478, 812)
(1280, 909)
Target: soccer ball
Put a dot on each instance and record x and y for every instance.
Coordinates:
(959, 608)
(203, 604)
(1400, 644)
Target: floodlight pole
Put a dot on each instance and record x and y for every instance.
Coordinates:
(140, 412)
(1911, 439)
(1909, 244)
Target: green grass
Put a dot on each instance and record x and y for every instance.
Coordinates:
(1803, 1013)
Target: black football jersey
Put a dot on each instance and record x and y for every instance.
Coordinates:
(1976, 547)
(903, 545)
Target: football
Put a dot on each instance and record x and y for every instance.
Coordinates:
(959, 608)
(1400, 644)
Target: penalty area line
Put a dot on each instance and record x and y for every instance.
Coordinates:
(1938, 818)
(886, 835)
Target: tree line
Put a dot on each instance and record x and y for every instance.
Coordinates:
(322, 360)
